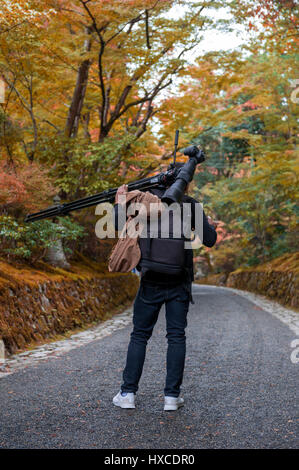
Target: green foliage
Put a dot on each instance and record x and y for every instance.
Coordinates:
(251, 175)
(224, 154)
(260, 206)
(81, 168)
(228, 256)
(30, 241)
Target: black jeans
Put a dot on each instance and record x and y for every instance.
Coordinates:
(148, 303)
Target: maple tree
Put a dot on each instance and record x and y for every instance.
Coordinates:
(18, 12)
(92, 71)
(240, 106)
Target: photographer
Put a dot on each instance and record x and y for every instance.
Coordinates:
(164, 280)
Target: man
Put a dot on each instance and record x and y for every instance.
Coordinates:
(158, 288)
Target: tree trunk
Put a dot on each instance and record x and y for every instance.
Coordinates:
(72, 123)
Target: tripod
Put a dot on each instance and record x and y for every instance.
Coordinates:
(176, 181)
(106, 196)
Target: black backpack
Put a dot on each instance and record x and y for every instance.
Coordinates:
(163, 255)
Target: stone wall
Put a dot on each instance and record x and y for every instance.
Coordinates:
(37, 305)
(277, 285)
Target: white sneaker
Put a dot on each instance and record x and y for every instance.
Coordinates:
(126, 401)
(173, 403)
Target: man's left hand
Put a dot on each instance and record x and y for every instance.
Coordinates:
(122, 191)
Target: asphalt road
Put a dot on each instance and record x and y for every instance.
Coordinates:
(239, 387)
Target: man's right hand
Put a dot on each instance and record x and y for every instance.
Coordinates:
(122, 191)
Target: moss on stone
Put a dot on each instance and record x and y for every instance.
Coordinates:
(278, 279)
(39, 303)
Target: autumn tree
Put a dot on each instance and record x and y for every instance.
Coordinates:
(85, 84)
(240, 106)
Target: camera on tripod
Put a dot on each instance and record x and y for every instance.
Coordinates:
(174, 180)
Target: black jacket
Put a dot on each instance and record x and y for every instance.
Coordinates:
(209, 239)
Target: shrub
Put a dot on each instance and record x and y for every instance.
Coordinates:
(31, 241)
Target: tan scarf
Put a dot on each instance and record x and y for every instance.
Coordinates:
(126, 254)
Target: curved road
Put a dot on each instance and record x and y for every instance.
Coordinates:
(239, 387)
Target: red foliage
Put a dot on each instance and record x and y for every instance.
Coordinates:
(12, 190)
(25, 187)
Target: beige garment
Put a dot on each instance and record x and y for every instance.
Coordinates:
(126, 254)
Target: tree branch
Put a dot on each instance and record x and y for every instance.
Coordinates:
(147, 29)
